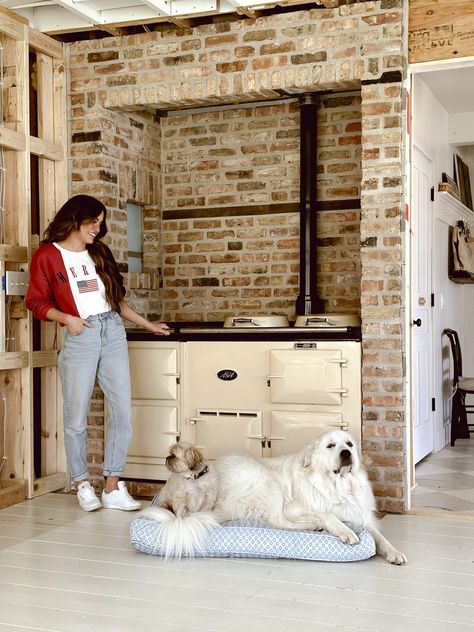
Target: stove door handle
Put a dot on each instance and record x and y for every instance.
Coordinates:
(171, 374)
(271, 377)
(343, 425)
(194, 420)
(334, 389)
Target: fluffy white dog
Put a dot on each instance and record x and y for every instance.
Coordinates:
(322, 487)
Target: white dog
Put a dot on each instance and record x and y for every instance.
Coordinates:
(322, 487)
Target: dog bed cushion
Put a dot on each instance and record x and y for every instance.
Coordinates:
(238, 540)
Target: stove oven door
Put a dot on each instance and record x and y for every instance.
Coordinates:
(291, 430)
(227, 431)
(154, 372)
(155, 428)
(306, 376)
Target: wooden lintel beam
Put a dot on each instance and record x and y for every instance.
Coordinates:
(115, 31)
(12, 24)
(182, 23)
(44, 44)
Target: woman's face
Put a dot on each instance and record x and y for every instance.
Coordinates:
(89, 230)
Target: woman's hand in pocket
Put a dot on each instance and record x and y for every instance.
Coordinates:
(75, 325)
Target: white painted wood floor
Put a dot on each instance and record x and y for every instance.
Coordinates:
(66, 570)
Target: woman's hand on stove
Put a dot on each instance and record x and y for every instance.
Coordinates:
(159, 329)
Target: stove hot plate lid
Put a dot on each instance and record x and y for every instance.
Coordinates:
(256, 321)
(328, 320)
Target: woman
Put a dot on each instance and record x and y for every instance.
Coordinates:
(74, 280)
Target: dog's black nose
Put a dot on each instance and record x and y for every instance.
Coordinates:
(346, 456)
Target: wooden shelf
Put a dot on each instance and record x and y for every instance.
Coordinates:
(451, 210)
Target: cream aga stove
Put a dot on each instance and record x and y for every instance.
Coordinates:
(252, 385)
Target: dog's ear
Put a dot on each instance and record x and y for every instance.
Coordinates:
(305, 456)
(194, 456)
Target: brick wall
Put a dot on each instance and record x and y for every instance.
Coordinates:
(355, 47)
(116, 158)
(225, 263)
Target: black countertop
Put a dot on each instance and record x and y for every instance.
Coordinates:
(214, 331)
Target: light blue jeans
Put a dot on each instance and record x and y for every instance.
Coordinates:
(101, 351)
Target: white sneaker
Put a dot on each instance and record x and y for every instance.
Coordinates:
(120, 499)
(87, 498)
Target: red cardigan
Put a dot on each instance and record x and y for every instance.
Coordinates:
(49, 284)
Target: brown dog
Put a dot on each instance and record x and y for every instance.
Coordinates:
(192, 485)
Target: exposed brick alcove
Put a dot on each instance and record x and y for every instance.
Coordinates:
(189, 161)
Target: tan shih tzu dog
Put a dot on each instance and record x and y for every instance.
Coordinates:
(192, 485)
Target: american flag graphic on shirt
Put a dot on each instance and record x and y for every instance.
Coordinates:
(90, 285)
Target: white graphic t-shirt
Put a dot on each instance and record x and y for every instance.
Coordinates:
(87, 287)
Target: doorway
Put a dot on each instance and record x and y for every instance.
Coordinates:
(443, 127)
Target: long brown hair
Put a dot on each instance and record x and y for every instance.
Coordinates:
(82, 209)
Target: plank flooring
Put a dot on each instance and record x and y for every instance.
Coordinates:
(65, 570)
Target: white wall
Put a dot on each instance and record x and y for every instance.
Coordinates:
(454, 303)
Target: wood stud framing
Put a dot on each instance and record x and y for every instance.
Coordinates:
(16, 364)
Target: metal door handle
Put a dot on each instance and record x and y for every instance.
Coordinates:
(417, 322)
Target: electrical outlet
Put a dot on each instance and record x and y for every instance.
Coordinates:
(16, 283)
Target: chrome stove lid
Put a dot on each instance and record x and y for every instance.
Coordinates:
(328, 320)
(256, 321)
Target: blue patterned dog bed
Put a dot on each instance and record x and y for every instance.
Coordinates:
(247, 540)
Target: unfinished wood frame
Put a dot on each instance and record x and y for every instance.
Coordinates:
(17, 357)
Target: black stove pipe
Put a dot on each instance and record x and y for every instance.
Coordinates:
(308, 301)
